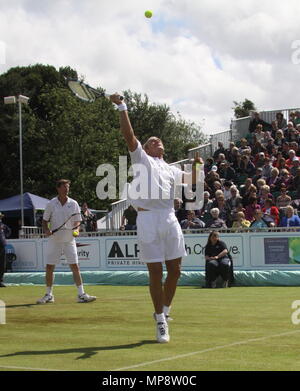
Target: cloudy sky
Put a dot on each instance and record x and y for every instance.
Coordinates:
(196, 56)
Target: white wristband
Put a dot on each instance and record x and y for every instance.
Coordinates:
(122, 107)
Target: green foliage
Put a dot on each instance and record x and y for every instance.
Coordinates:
(243, 109)
(64, 137)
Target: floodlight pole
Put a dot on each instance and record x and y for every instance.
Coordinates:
(20, 99)
(21, 162)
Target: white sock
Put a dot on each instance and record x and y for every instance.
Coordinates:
(167, 310)
(80, 290)
(160, 318)
(49, 290)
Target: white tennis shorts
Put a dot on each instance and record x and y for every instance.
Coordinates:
(55, 250)
(159, 236)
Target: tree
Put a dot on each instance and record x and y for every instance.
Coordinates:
(243, 109)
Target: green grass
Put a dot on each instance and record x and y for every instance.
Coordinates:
(117, 331)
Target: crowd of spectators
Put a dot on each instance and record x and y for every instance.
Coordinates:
(254, 183)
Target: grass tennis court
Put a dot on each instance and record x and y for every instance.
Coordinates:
(236, 329)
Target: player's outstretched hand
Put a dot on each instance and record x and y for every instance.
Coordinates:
(115, 98)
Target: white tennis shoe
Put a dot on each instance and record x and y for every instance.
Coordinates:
(46, 299)
(162, 332)
(85, 298)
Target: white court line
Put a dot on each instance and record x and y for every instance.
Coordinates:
(205, 350)
(31, 369)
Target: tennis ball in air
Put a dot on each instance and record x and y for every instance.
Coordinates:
(75, 233)
(148, 14)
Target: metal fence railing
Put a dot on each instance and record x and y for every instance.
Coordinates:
(270, 115)
(36, 233)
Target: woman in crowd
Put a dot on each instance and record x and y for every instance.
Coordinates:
(290, 219)
(216, 221)
(217, 260)
(264, 195)
(274, 180)
(251, 208)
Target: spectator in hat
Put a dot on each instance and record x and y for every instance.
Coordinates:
(5, 232)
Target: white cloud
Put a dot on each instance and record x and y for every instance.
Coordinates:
(195, 56)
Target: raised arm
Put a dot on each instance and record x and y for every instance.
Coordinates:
(125, 124)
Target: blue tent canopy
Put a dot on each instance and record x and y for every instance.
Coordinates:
(30, 201)
(11, 207)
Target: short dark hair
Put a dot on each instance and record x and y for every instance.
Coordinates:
(60, 182)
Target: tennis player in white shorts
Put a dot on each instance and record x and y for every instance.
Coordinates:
(159, 234)
(58, 213)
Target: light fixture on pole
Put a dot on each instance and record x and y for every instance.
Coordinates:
(12, 100)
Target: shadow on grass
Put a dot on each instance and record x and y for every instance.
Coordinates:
(21, 305)
(85, 352)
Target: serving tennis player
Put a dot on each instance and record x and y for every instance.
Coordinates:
(159, 235)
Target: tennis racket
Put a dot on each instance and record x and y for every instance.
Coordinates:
(85, 92)
(68, 224)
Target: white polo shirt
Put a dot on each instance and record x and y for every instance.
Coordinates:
(57, 214)
(153, 187)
